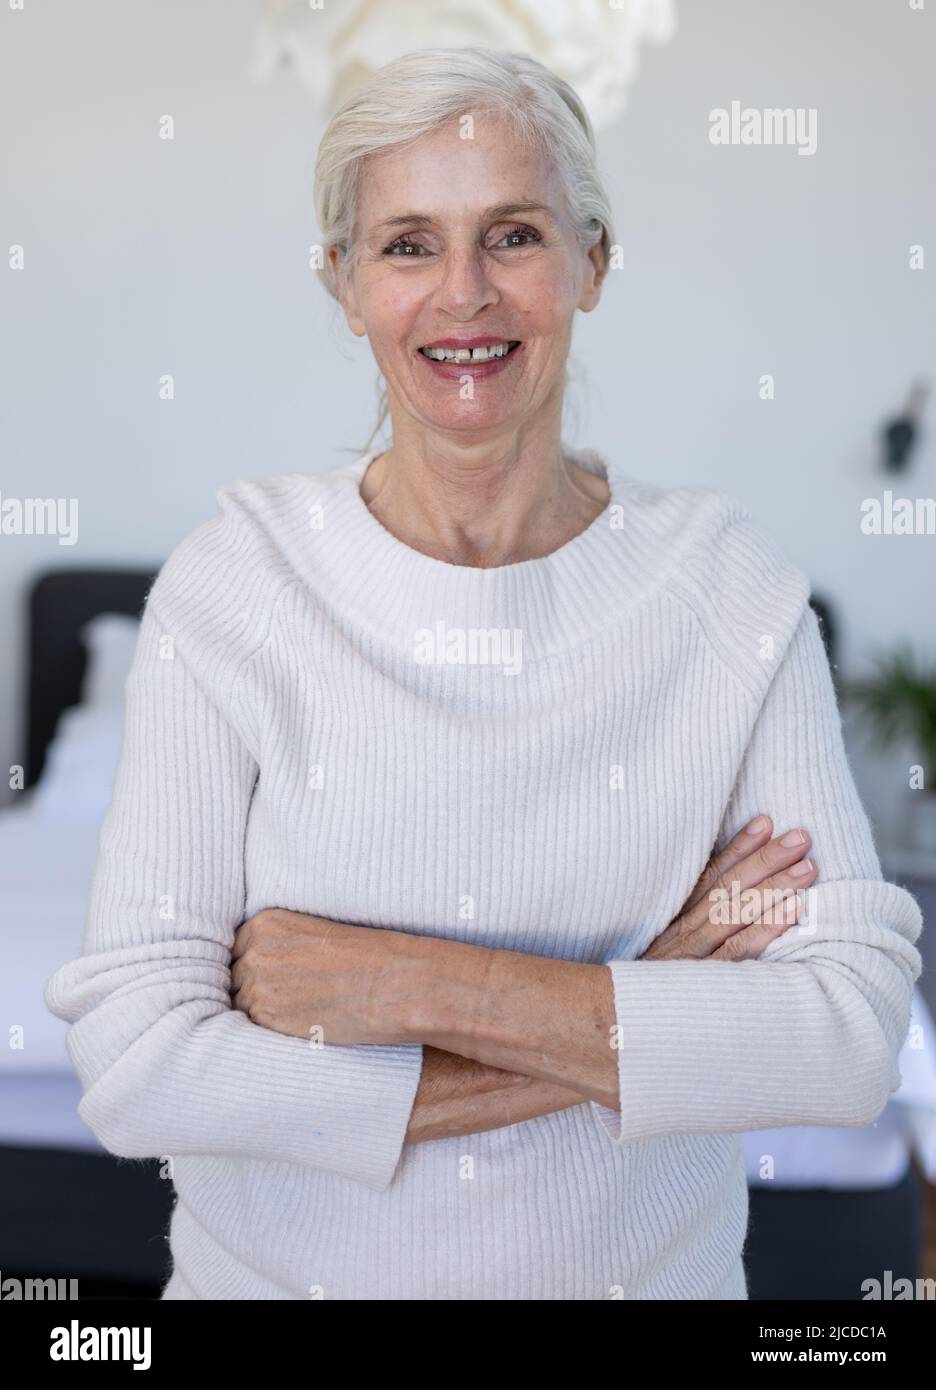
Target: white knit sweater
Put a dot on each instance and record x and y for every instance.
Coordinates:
(288, 745)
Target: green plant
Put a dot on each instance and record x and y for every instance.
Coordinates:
(899, 701)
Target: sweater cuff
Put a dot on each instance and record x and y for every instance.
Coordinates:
(654, 1020)
(374, 1088)
(611, 1120)
(807, 1034)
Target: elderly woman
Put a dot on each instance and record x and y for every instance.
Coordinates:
(448, 923)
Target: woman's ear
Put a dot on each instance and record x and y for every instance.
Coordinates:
(596, 266)
(344, 285)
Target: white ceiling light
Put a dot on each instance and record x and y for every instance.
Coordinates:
(593, 44)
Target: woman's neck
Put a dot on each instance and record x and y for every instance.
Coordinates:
(483, 511)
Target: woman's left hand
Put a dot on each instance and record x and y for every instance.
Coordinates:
(325, 981)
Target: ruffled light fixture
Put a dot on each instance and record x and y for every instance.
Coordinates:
(333, 46)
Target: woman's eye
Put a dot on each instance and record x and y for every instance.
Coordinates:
(403, 247)
(527, 232)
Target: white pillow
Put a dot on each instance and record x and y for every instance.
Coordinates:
(78, 776)
(110, 640)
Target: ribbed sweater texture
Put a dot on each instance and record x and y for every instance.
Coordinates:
(540, 756)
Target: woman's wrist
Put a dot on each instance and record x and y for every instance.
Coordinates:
(468, 999)
(460, 1097)
(444, 988)
(544, 1018)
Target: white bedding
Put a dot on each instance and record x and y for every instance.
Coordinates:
(46, 875)
(872, 1156)
(40, 1111)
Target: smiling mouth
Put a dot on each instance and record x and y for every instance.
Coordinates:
(492, 353)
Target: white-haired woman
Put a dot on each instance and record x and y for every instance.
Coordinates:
(404, 941)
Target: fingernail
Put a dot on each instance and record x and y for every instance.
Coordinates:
(800, 868)
(758, 824)
(793, 837)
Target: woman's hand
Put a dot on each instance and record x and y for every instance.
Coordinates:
(744, 898)
(324, 981)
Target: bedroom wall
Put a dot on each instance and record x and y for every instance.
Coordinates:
(146, 257)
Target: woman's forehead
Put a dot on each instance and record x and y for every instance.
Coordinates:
(429, 175)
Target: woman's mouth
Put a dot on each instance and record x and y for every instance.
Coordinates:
(480, 359)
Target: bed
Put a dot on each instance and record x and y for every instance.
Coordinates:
(68, 1208)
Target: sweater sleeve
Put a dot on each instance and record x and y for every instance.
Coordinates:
(809, 1033)
(167, 1065)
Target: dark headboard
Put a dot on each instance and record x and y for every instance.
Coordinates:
(59, 604)
(828, 629)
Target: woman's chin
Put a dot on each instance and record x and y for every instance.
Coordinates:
(469, 416)
(443, 403)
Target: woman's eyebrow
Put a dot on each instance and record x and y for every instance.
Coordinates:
(511, 209)
(489, 214)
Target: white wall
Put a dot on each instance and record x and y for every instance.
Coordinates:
(146, 256)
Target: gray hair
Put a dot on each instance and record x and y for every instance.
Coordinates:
(420, 91)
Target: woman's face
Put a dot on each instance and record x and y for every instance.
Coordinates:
(446, 257)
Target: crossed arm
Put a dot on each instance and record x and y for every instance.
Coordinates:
(167, 1066)
(809, 1036)
(506, 1036)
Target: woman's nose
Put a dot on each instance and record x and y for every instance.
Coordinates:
(464, 287)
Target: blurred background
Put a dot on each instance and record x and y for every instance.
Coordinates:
(768, 329)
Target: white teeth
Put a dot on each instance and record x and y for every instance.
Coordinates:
(482, 354)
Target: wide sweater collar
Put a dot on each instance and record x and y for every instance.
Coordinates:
(557, 601)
